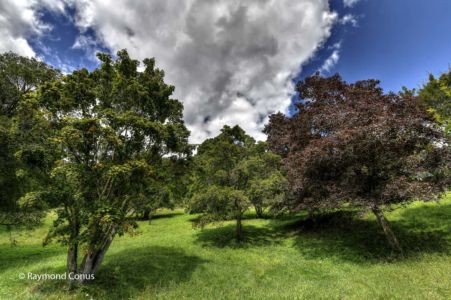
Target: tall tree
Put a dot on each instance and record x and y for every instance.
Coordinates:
(353, 144)
(114, 125)
(231, 174)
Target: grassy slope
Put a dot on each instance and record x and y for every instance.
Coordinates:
(347, 257)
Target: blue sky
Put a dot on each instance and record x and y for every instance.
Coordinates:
(236, 62)
(397, 42)
(57, 46)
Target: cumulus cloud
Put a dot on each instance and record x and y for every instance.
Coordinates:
(231, 61)
(350, 3)
(18, 20)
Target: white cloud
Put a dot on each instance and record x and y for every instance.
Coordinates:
(20, 21)
(349, 19)
(231, 61)
(350, 3)
(332, 60)
(89, 45)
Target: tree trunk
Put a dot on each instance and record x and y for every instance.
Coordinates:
(72, 255)
(239, 228)
(72, 251)
(71, 267)
(259, 211)
(146, 214)
(386, 227)
(12, 240)
(94, 257)
(312, 218)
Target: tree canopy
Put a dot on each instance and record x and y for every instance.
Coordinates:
(353, 144)
(232, 173)
(25, 158)
(436, 94)
(113, 126)
(18, 76)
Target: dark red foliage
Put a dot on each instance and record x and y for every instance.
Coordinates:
(351, 143)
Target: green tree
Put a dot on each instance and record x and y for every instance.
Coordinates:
(262, 178)
(25, 157)
(231, 174)
(168, 187)
(436, 94)
(18, 76)
(114, 125)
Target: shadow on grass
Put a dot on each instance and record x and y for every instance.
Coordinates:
(23, 255)
(128, 273)
(225, 236)
(158, 216)
(249, 215)
(166, 215)
(345, 235)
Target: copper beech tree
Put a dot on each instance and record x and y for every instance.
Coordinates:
(351, 144)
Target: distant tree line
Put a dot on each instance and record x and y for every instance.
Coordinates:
(108, 147)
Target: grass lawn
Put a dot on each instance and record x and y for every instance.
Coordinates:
(345, 257)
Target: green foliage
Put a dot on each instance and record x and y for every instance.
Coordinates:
(25, 153)
(167, 187)
(232, 172)
(262, 179)
(221, 203)
(18, 76)
(114, 126)
(436, 94)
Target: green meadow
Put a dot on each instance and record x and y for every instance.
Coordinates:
(344, 255)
